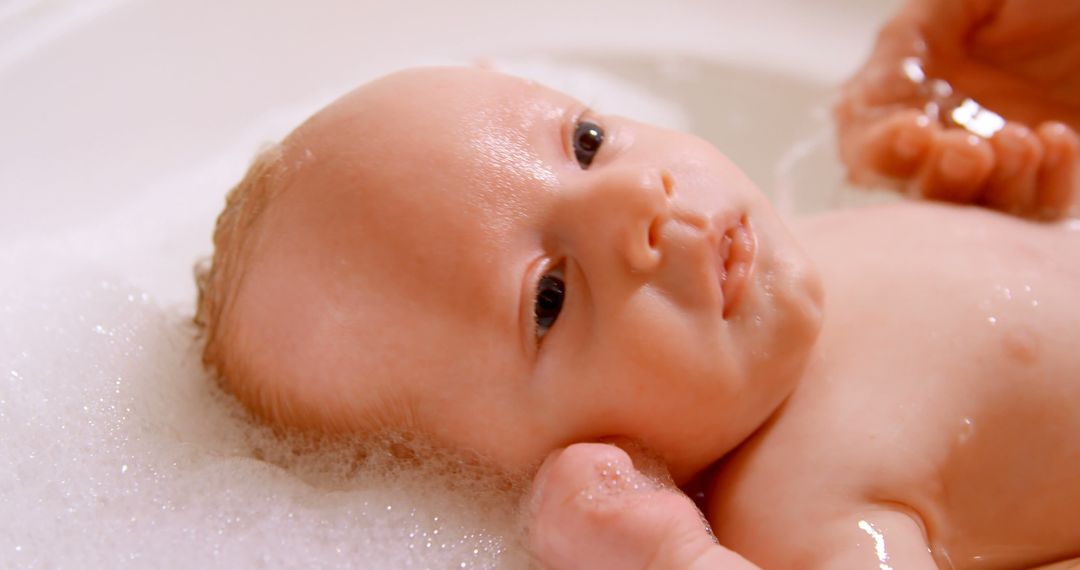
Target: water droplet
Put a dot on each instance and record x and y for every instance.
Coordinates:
(913, 69)
(941, 88)
(932, 109)
(977, 119)
(967, 430)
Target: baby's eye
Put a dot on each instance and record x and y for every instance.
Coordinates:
(588, 137)
(550, 291)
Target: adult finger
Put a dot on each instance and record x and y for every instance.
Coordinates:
(592, 509)
(1018, 155)
(1059, 173)
(957, 167)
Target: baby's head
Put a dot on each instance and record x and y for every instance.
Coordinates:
(485, 261)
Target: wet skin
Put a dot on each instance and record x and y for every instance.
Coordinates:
(403, 258)
(397, 276)
(940, 412)
(971, 101)
(934, 427)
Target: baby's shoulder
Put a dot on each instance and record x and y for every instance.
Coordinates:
(873, 455)
(823, 472)
(914, 229)
(942, 397)
(943, 394)
(948, 292)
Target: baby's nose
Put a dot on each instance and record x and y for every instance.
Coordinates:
(634, 204)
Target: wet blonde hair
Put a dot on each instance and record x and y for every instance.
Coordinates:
(218, 278)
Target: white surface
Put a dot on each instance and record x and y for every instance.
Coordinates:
(122, 123)
(131, 92)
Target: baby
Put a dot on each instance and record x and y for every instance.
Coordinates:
(945, 433)
(486, 262)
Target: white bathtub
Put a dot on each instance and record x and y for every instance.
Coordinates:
(122, 123)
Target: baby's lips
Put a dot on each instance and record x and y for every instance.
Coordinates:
(737, 264)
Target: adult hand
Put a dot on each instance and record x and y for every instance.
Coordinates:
(974, 101)
(592, 509)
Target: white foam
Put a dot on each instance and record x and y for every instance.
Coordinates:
(118, 452)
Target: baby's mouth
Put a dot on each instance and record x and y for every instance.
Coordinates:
(736, 251)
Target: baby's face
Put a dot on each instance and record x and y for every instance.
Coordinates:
(488, 261)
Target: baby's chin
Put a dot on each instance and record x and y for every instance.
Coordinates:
(800, 302)
(780, 323)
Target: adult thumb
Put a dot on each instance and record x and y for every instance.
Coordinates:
(592, 509)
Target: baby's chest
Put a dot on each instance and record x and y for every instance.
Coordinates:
(985, 309)
(946, 390)
(986, 464)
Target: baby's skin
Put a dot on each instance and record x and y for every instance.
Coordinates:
(487, 262)
(940, 410)
(447, 255)
(935, 426)
(895, 467)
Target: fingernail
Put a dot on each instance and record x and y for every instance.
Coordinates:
(958, 164)
(914, 138)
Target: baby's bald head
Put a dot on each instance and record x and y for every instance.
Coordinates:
(486, 261)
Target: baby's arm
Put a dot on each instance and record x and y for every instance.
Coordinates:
(592, 509)
(972, 101)
(876, 539)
